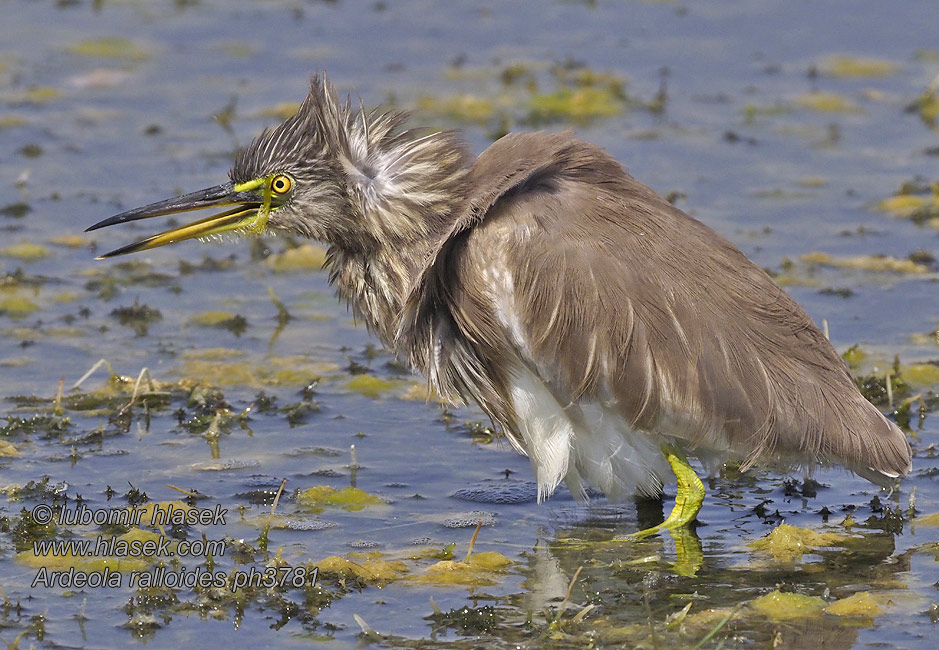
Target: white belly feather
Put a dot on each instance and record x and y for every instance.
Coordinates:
(584, 442)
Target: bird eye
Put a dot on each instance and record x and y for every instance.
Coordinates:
(281, 184)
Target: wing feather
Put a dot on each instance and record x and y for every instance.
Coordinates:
(623, 300)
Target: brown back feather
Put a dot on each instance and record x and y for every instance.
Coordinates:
(625, 299)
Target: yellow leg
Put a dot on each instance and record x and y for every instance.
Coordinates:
(688, 500)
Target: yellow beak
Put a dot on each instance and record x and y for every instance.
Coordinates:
(250, 215)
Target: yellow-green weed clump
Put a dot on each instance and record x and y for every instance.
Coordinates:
(371, 386)
(368, 567)
(860, 605)
(320, 497)
(479, 570)
(856, 66)
(109, 48)
(826, 103)
(306, 257)
(780, 606)
(25, 252)
(787, 543)
(866, 263)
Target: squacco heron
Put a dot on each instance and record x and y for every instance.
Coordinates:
(605, 331)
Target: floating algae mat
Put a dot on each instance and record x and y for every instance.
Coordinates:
(787, 542)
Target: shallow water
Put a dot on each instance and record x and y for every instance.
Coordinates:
(762, 132)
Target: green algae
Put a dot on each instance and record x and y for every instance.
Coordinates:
(10, 121)
(370, 385)
(17, 306)
(880, 263)
(921, 374)
(860, 605)
(25, 252)
(109, 48)
(781, 606)
(36, 95)
(69, 241)
(320, 497)
(787, 543)
(854, 356)
(232, 322)
(371, 568)
(463, 107)
(917, 202)
(577, 105)
(849, 67)
(826, 103)
(225, 367)
(278, 112)
(303, 258)
(479, 570)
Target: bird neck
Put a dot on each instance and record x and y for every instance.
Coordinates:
(404, 193)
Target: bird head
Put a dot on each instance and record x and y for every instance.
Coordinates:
(294, 178)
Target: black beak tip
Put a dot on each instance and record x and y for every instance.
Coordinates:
(104, 223)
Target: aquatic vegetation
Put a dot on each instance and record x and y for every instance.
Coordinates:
(279, 112)
(226, 367)
(234, 323)
(860, 605)
(8, 450)
(840, 65)
(302, 258)
(146, 511)
(915, 200)
(578, 105)
(370, 568)
(25, 252)
(137, 316)
(787, 543)
(66, 561)
(16, 305)
(319, 497)
(10, 121)
(532, 96)
(884, 387)
(785, 606)
(922, 374)
(826, 102)
(884, 263)
(109, 48)
(228, 423)
(16, 210)
(854, 356)
(464, 108)
(370, 385)
(927, 105)
(478, 570)
(37, 95)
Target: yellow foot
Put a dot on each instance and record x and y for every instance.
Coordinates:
(688, 500)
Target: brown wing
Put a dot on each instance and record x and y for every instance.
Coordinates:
(620, 297)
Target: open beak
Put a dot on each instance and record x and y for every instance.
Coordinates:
(249, 214)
